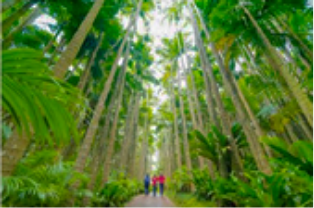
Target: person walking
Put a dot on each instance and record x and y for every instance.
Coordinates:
(146, 184)
(161, 180)
(154, 182)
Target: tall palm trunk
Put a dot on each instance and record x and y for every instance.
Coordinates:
(52, 40)
(89, 64)
(191, 105)
(276, 60)
(211, 110)
(292, 135)
(8, 22)
(28, 20)
(306, 49)
(100, 154)
(185, 132)
(305, 128)
(75, 44)
(13, 150)
(256, 125)
(113, 130)
(226, 127)
(92, 128)
(134, 135)
(165, 162)
(199, 114)
(143, 159)
(176, 130)
(170, 150)
(127, 132)
(195, 95)
(234, 92)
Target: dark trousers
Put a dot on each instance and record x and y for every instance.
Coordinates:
(146, 188)
(161, 189)
(154, 190)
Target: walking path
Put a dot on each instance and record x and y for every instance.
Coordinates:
(150, 201)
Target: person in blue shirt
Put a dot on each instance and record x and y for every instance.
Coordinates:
(146, 184)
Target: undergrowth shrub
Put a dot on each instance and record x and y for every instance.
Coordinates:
(41, 179)
(116, 192)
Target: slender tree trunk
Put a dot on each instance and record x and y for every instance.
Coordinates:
(85, 75)
(13, 150)
(210, 108)
(6, 5)
(195, 96)
(75, 44)
(100, 156)
(28, 20)
(198, 113)
(293, 137)
(51, 42)
(257, 127)
(237, 99)
(177, 139)
(7, 23)
(143, 159)
(100, 153)
(127, 132)
(226, 127)
(173, 150)
(306, 49)
(92, 129)
(192, 113)
(297, 72)
(170, 153)
(305, 128)
(276, 60)
(56, 51)
(134, 135)
(305, 62)
(164, 155)
(113, 130)
(185, 133)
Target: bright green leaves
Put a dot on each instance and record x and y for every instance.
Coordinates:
(117, 192)
(208, 145)
(37, 102)
(41, 178)
(33, 37)
(300, 153)
(147, 6)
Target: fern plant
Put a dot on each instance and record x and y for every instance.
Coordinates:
(41, 179)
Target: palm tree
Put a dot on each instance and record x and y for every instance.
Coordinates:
(112, 135)
(32, 107)
(8, 22)
(277, 61)
(91, 131)
(28, 20)
(254, 144)
(176, 129)
(185, 133)
(144, 154)
(85, 75)
(76, 42)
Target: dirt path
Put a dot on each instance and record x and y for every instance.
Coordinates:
(150, 201)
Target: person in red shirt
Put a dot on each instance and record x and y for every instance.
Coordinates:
(154, 181)
(161, 180)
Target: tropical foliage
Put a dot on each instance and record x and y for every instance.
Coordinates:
(215, 94)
